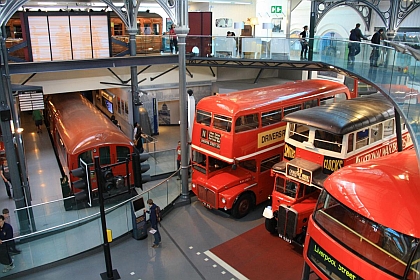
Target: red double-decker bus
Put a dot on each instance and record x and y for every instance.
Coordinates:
(365, 225)
(237, 137)
(319, 141)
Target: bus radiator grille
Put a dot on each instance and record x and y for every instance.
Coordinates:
(208, 197)
(287, 222)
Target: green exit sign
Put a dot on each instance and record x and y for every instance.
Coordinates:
(276, 9)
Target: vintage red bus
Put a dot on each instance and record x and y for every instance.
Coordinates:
(237, 137)
(319, 141)
(365, 225)
(80, 132)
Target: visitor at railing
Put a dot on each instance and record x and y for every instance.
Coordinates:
(356, 36)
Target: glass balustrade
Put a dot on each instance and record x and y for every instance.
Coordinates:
(62, 233)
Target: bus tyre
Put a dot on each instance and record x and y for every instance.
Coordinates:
(242, 206)
(270, 225)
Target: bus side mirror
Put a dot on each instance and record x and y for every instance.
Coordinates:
(234, 166)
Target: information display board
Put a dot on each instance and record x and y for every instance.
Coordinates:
(67, 36)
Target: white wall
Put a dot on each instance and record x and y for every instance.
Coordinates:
(236, 12)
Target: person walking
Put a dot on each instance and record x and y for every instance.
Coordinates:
(356, 37)
(376, 40)
(6, 233)
(154, 222)
(5, 175)
(304, 36)
(37, 117)
(173, 40)
(178, 159)
(12, 244)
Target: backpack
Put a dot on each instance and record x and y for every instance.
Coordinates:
(158, 214)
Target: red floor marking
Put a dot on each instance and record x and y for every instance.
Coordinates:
(259, 255)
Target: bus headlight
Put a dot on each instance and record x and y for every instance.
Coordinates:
(193, 186)
(223, 200)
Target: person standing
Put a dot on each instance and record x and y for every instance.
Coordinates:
(376, 40)
(154, 222)
(304, 36)
(356, 37)
(178, 159)
(12, 244)
(6, 233)
(5, 175)
(173, 40)
(37, 117)
(136, 128)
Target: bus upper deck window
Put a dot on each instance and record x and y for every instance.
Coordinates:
(310, 104)
(362, 138)
(350, 142)
(389, 127)
(376, 133)
(298, 132)
(203, 117)
(271, 117)
(247, 122)
(222, 123)
(291, 109)
(328, 141)
(327, 100)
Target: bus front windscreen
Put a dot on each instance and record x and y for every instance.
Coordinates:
(374, 243)
(199, 161)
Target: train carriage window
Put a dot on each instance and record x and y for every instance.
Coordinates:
(291, 109)
(203, 117)
(271, 117)
(104, 155)
(222, 123)
(86, 157)
(156, 29)
(268, 163)
(376, 133)
(298, 132)
(122, 153)
(250, 165)
(389, 127)
(310, 104)
(247, 122)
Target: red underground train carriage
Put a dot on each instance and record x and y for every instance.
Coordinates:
(80, 132)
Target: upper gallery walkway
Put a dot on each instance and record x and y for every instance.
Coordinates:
(397, 74)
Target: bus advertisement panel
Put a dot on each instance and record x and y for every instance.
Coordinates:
(237, 138)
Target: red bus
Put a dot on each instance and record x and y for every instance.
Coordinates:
(319, 141)
(237, 137)
(365, 225)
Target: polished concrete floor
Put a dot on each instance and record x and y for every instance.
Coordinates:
(188, 232)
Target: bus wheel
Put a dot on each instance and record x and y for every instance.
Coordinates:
(270, 225)
(242, 206)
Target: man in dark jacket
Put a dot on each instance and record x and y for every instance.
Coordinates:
(154, 222)
(356, 36)
(6, 233)
(376, 40)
